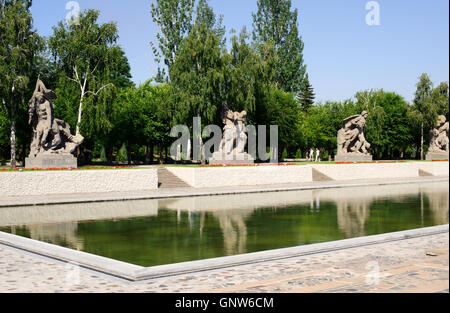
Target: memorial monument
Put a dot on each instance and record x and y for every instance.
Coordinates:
(53, 144)
(352, 145)
(439, 145)
(231, 150)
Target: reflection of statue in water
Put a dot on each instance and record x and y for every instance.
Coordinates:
(439, 136)
(352, 216)
(351, 137)
(50, 135)
(232, 223)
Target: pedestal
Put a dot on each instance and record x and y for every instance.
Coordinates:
(437, 156)
(353, 157)
(52, 161)
(231, 159)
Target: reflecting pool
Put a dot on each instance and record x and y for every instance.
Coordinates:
(156, 232)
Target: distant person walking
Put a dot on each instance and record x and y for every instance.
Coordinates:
(317, 155)
(311, 155)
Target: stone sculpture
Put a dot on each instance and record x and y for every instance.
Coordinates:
(439, 146)
(352, 145)
(53, 144)
(231, 149)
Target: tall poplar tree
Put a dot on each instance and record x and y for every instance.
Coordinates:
(18, 45)
(276, 22)
(174, 20)
(423, 107)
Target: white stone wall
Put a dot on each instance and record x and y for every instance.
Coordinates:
(81, 181)
(265, 175)
(368, 171)
(210, 177)
(434, 168)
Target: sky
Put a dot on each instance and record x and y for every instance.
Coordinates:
(343, 53)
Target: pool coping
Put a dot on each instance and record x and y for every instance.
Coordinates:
(198, 192)
(137, 273)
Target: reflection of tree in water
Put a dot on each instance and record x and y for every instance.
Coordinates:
(234, 230)
(59, 234)
(352, 216)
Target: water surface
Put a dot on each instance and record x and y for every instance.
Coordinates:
(156, 232)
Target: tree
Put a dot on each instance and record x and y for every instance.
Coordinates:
(282, 110)
(174, 20)
(307, 96)
(198, 74)
(83, 53)
(145, 113)
(275, 22)
(19, 44)
(388, 127)
(423, 107)
(319, 126)
(440, 99)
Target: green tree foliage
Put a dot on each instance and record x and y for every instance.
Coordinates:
(388, 126)
(198, 75)
(275, 22)
(306, 95)
(282, 110)
(85, 54)
(174, 20)
(146, 113)
(423, 108)
(440, 99)
(19, 44)
(319, 126)
(122, 156)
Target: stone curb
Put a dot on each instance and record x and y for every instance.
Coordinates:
(138, 273)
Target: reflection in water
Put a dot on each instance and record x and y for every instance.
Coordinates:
(60, 234)
(155, 232)
(352, 216)
(234, 230)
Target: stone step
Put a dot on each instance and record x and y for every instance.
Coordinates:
(168, 180)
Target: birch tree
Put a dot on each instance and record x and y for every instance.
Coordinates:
(82, 52)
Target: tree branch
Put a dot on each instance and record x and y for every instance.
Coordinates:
(98, 91)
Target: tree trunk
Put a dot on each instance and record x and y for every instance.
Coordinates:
(129, 155)
(161, 156)
(109, 154)
(13, 144)
(80, 111)
(421, 141)
(152, 153)
(146, 152)
(24, 153)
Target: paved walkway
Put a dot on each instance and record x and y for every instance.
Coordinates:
(413, 265)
